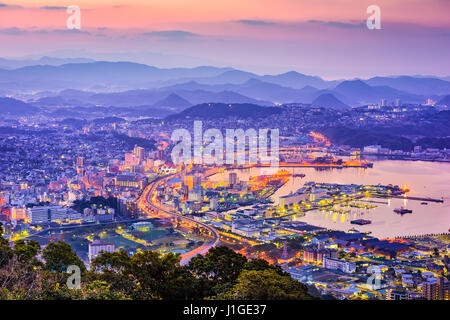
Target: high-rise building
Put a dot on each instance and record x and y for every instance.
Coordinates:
(232, 178)
(436, 290)
(214, 203)
(18, 213)
(80, 162)
(192, 181)
(80, 166)
(315, 254)
(131, 160)
(139, 152)
(132, 209)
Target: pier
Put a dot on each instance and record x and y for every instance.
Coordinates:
(419, 199)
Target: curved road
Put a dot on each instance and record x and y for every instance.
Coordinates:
(146, 203)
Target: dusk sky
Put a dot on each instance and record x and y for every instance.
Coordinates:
(328, 38)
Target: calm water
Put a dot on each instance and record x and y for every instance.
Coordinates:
(426, 179)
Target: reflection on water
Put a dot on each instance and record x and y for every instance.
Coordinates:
(424, 179)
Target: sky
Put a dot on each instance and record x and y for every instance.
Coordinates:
(328, 38)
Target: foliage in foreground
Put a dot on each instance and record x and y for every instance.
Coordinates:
(220, 274)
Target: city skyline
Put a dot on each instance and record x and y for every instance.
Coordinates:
(242, 151)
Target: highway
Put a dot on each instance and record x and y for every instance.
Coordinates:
(148, 203)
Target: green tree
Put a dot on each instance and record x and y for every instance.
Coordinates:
(159, 276)
(115, 269)
(100, 290)
(59, 256)
(221, 264)
(19, 280)
(218, 270)
(266, 285)
(54, 286)
(27, 251)
(145, 275)
(261, 265)
(5, 250)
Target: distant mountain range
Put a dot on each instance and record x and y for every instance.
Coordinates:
(171, 99)
(16, 63)
(416, 85)
(445, 101)
(327, 100)
(81, 82)
(9, 106)
(222, 110)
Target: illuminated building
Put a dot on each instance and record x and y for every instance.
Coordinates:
(436, 290)
(157, 154)
(128, 180)
(18, 213)
(80, 166)
(232, 178)
(192, 181)
(131, 160)
(139, 153)
(44, 215)
(149, 163)
(103, 215)
(248, 232)
(396, 294)
(80, 162)
(214, 203)
(314, 254)
(336, 264)
(292, 198)
(132, 209)
(372, 149)
(316, 194)
(303, 273)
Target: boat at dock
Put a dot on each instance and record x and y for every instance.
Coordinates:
(402, 210)
(361, 222)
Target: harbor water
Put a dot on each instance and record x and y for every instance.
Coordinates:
(423, 179)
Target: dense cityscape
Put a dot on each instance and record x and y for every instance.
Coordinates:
(110, 184)
(208, 170)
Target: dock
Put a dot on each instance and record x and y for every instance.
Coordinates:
(419, 199)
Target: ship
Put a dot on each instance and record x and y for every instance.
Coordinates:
(361, 222)
(402, 210)
(301, 175)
